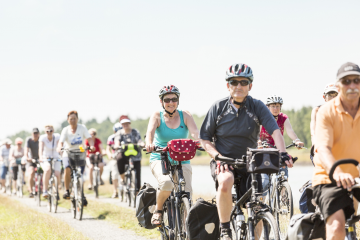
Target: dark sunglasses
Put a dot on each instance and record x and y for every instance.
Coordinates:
(167, 100)
(348, 81)
(332, 94)
(235, 83)
(49, 131)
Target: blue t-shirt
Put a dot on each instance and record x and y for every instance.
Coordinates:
(164, 134)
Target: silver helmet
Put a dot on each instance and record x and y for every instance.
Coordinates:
(239, 70)
(167, 90)
(274, 99)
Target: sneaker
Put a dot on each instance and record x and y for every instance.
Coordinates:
(101, 182)
(115, 195)
(226, 234)
(45, 195)
(85, 202)
(89, 187)
(66, 195)
(31, 195)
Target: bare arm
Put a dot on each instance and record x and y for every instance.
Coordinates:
(190, 123)
(313, 124)
(209, 147)
(108, 152)
(41, 149)
(60, 146)
(91, 143)
(291, 133)
(154, 123)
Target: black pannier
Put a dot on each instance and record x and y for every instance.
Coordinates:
(145, 205)
(262, 160)
(203, 221)
(306, 226)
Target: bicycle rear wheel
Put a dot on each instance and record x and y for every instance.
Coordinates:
(96, 183)
(184, 212)
(265, 227)
(132, 189)
(128, 188)
(80, 199)
(284, 208)
(54, 195)
(38, 196)
(19, 184)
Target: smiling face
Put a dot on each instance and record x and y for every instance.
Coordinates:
(275, 108)
(239, 92)
(349, 92)
(72, 119)
(49, 131)
(171, 106)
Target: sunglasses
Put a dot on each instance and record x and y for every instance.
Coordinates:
(167, 100)
(332, 94)
(348, 81)
(49, 131)
(235, 83)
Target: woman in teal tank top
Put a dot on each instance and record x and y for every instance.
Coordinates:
(166, 125)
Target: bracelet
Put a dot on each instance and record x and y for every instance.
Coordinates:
(296, 140)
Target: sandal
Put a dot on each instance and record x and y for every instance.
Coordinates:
(158, 217)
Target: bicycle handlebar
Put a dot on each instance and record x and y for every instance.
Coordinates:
(231, 161)
(160, 150)
(340, 162)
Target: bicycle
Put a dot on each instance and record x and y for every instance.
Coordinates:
(53, 188)
(20, 178)
(8, 179)
(95, 159)
(259, 216)
(76, 160)
(176, 208)
(37, 188)
(279, 197)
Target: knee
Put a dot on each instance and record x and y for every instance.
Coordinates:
(167, 185)
(225, 184)
(336, 230)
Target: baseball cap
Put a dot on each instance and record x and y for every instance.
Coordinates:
(7, 141)
(330, 88)
(35, 130)
(346, 69)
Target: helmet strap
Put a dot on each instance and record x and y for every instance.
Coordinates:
(241, 104)
(170, 113)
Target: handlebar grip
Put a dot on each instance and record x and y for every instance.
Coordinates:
(201, 149)
(294, 159)
(144, 149)
(340, 162)
(221, 158)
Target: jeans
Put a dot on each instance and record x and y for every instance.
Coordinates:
(3, 171)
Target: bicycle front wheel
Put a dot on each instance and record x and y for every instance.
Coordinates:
(54, 195)
(128, 188)
(20, 184)
(38, 196)
(284, 208)
(96, 183)
(80, 199)
(133, 187)
(265, 227)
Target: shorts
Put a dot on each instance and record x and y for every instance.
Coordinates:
(243, 178)
(114, 169)
(164, 181)
(3, 171)
(46, 165)
(331, 198)
(65, 161)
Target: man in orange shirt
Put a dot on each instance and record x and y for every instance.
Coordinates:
(337, 137)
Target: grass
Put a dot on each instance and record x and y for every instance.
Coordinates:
(20, 222)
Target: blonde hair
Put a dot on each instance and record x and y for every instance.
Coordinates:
(92, 130)
(49, 126)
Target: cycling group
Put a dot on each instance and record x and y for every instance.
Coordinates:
(233, 124)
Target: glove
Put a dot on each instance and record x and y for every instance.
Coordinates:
(285, 157)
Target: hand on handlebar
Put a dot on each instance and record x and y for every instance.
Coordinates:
(222, 168)
(343, 179)
(299, 145)
(287, 159)
(150, 147)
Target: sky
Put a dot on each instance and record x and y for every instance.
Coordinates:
(108, 58)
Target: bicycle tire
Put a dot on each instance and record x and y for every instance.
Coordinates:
(80, 200)
(132, 189)
(164, 232)
(49, 196)
(128, 186)
(184, 212)
(20, 184)
(54, 195)
(285, 203)
(270, 230)
(8, 183)
(96, 183)
(38, 196)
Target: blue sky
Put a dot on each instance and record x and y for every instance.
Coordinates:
(107, 58)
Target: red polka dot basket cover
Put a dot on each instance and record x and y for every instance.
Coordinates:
(182, 149)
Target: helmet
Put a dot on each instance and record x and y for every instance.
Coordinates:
(169, 89)
(117, 126)
(239, 70)
(330, 88)
(274, 99)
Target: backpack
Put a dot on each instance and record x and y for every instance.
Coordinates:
(305, 203)
(306, 226)
(145, 205)
(203, 221)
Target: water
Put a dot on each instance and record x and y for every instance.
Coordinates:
(204, 184)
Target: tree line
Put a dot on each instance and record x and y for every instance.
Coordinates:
(300, 121)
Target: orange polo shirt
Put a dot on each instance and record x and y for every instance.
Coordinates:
(336, 129)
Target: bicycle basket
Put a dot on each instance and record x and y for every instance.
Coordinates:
(263, 160)
(76, 158)
(95, 158)
(182, 149)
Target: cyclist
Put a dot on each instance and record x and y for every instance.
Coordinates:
(274, 103)
(73, 136)
(4, 161)
(231, 126)
(128, 135)
(98, 149)
(337, 137)
(32, 152)
(47, 149)
(110, 153)
(16, 155)
(166, 125)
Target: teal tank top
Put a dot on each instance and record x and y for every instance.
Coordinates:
(163, 134)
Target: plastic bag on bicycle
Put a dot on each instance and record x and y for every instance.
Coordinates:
(262, 160)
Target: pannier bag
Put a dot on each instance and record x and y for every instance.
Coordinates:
(182, 149)
(145, 205)
(305, 203)
(306, 226)
(262, 160)
(203, 221)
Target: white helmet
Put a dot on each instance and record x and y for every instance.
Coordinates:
(117, 126)
(330, 88)
(274, 99)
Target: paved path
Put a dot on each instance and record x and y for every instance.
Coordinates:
(89, 226)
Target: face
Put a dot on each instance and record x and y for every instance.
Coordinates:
(275, 108)
(93, 135)
(350, 92)
(126, 126)
(7, 145)
(72, 119)
(49, 131)
(330, 95)
(35, 135)
(171, 106)
(239, 91)
(19, 144)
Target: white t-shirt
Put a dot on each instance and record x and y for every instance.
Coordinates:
(73, 141)
(50, 146)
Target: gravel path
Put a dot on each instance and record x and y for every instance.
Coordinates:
(89, 226)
